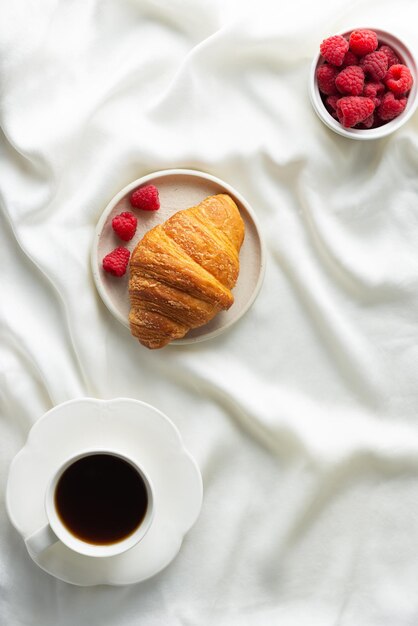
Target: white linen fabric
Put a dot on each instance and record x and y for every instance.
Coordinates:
(303, 417)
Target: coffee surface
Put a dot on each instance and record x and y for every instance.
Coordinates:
(101, 499)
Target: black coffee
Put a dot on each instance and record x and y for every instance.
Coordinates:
(101, 499)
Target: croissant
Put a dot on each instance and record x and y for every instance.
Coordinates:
(182, 271)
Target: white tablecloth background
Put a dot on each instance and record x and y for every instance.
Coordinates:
(303, 417)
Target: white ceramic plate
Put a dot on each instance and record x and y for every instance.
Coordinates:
(178, 189)
(137, 430)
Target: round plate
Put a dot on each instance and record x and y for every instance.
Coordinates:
(137, 430)
(178, 189)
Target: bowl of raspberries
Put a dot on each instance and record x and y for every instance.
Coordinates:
(363, 83)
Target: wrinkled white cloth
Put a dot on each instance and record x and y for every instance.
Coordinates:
(302, 417)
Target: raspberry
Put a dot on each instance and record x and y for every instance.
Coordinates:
(124, 225)
(350, 80)
(390, 107)
(116, 261)
(331, 102)
(373, 89)
(399, 79)
(334, 49)
(350, 59)
(368, 122)
(363, 41)
(146, 198)
(325, 75)
(392, 57)
(352, 110)
(375, 64)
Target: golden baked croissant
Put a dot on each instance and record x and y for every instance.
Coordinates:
(182, 271)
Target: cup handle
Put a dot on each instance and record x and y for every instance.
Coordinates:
(41, 539)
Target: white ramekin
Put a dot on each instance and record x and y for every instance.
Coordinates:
(405, 54)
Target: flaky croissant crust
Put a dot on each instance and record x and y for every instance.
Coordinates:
(182, 271)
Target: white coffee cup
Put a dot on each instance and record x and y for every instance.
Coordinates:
(55, 530)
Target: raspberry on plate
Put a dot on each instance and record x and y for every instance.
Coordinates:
(124, 225)
(375, 64)
(352, 110)
(350, 80)
(116, 262)
(146, 198)
(391, 55)
(363, 41)
(399, 79)
(334, 49)
(326, 75)
(390, 106)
